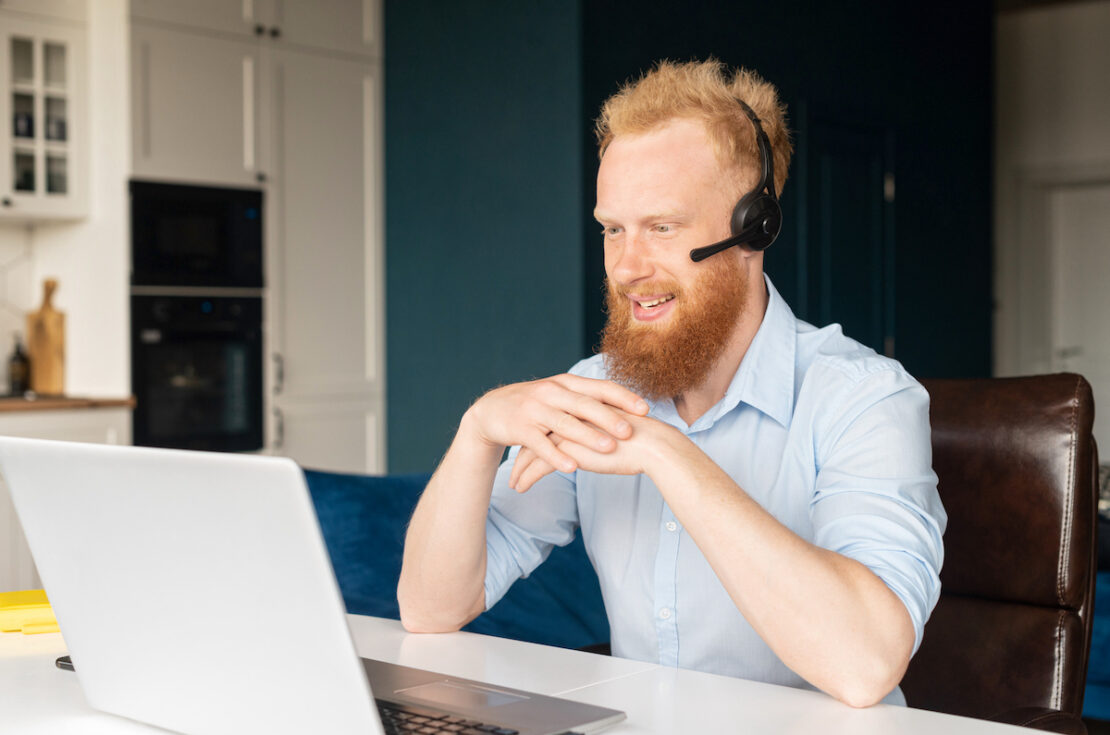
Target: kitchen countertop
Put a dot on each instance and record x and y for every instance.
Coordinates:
(59, 403)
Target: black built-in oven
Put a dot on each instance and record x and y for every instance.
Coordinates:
(196, 367)
(196, 317)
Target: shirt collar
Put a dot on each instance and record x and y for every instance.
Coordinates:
(765, 378)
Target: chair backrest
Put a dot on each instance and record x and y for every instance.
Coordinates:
(1017, 465)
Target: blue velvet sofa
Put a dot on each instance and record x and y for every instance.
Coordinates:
(1096, 696)
(363, 519)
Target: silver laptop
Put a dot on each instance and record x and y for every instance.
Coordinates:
(194, 592)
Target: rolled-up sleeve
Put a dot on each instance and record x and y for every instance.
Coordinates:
(875, 498)
(522, 528)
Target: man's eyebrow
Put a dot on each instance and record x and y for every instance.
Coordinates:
(666, 214)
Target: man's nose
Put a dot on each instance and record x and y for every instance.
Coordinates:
(632, 261)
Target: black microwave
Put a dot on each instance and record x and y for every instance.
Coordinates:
(202, 236)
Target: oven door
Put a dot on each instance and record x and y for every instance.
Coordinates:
(197, 372)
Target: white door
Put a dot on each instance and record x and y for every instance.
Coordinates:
(194, 107)
(324, 260)
(1080, 243)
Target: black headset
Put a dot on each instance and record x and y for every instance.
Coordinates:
(757, 217)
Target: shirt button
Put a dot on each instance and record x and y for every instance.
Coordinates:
(672, 526)
(665, 613)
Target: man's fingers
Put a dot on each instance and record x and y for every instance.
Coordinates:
(527, 470)
(541, 444)
(569, 426)
(523, 458)
(533, 473)
(605, 391)
(585, 419)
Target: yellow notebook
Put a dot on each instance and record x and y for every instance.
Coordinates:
(28, 611)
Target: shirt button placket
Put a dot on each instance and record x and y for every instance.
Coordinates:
(666, 592)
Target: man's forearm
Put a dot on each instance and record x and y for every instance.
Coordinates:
(828, 618)
(442, 584)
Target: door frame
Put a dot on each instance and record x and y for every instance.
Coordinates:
(1024, 265)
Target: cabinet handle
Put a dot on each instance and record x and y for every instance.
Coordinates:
(248, 112)
(6, 202)
(279, 373)
(275, 32)
(259, 30)
(260, 177)
(279, 429)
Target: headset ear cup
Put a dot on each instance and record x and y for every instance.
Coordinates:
(759, 212)
(740, 211)
(767, 209)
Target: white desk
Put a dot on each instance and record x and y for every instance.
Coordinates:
(36, 697)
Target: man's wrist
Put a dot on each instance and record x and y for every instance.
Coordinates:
(662, 445)
(469, 438)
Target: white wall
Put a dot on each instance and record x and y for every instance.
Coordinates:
(1052, 118)
(90, 257)
(15, 289)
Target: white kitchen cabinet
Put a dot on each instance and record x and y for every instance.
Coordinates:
(110, 425)
(324, 265)
(339, 26)
(294, 117)
(43, 134)
(73, 10)
(224, 16)
(342, 26)
(193, 102)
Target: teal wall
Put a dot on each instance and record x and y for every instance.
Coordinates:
(493, 261)
(918, 74)
(484, 285)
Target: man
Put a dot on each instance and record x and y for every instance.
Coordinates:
(756, 494)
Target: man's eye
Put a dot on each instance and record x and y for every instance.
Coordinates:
(663, 228)
(609, 231)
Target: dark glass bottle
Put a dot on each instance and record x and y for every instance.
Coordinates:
(19, 369)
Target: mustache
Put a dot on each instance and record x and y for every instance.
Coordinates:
(641, 289)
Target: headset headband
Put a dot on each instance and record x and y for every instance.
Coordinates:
(767, 163)
(757, 217)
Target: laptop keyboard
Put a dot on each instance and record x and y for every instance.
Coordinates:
(402, 720)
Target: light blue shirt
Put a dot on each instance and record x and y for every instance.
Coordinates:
(829, 437)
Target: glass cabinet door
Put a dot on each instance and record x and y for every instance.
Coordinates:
(39, 100)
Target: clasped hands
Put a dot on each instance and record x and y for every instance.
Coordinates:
(567, 422)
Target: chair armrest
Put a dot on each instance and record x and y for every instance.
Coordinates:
(1043, 718)
(603, 649)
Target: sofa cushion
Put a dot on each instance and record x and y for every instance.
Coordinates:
(363, 519)
(1096, 701)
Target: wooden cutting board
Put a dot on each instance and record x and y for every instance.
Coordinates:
(46, 344)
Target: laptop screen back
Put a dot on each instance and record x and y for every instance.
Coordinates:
(193, 590)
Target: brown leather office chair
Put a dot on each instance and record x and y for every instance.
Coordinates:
(1018, 471)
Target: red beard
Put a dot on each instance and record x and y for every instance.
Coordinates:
(665, 360)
